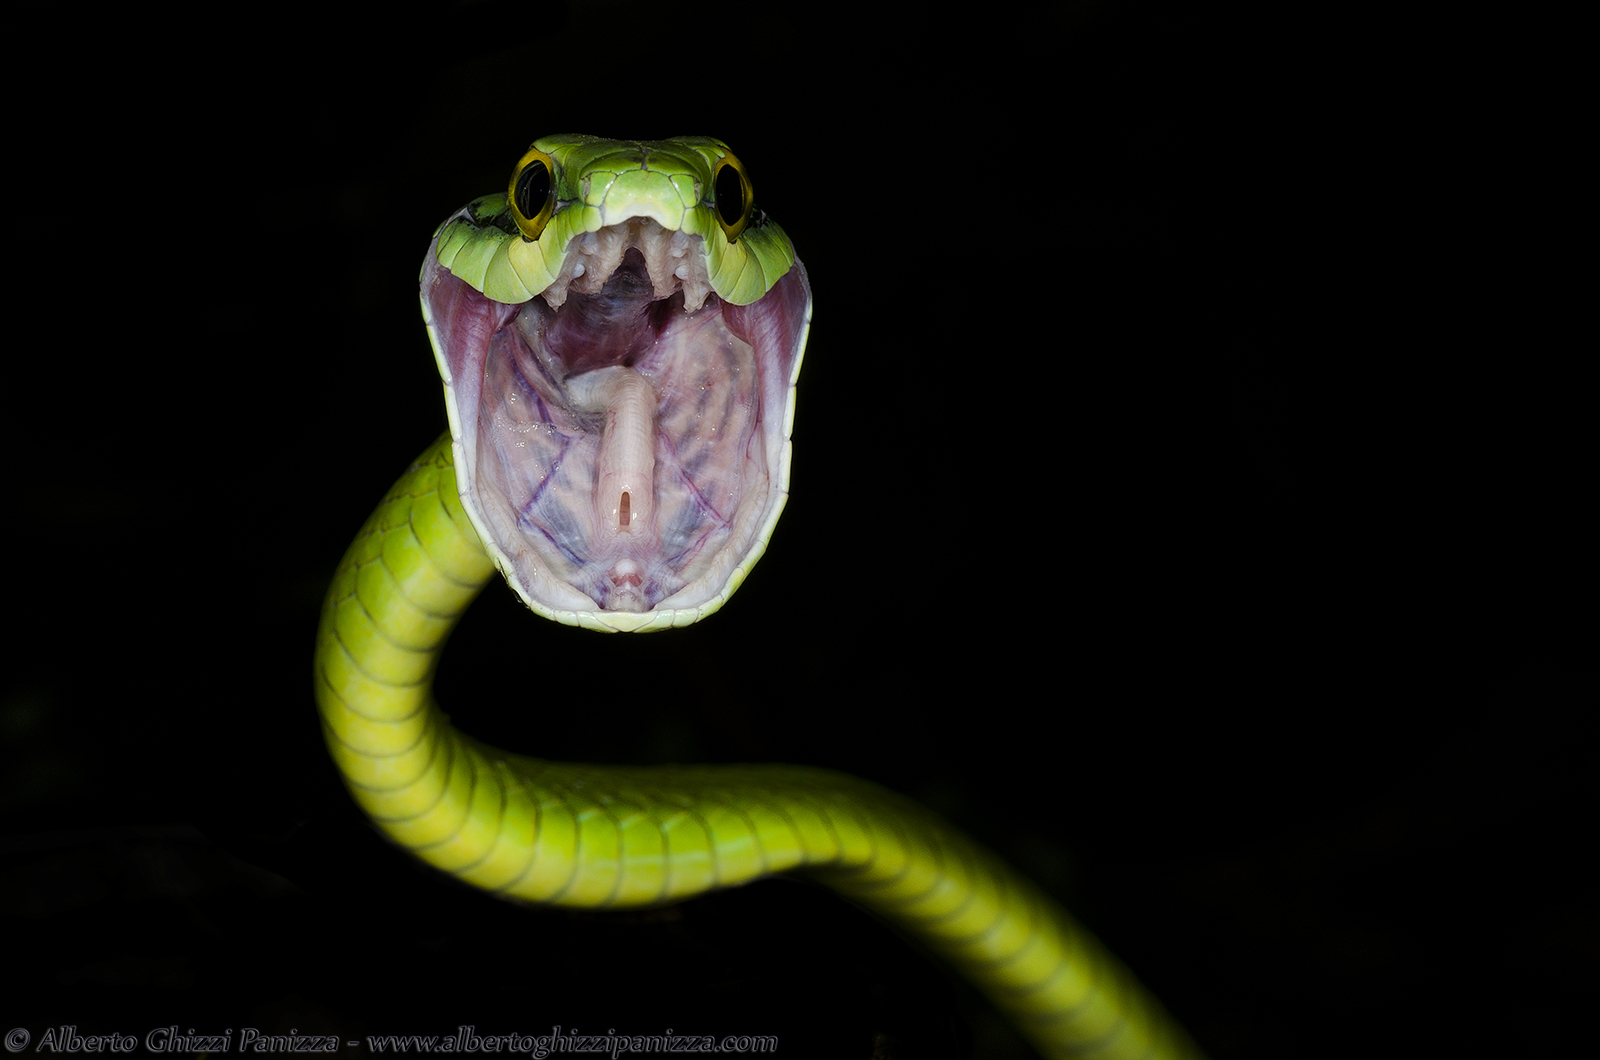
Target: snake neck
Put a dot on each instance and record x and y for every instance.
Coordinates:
(399, 590)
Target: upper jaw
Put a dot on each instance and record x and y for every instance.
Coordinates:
(674, 260)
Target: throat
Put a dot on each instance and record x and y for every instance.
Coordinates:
(615, 326)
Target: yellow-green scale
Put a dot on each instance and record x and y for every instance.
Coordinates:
(617, 837)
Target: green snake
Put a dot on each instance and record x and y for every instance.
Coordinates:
(619, 334)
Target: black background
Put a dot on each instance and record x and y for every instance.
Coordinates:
(1126, 533)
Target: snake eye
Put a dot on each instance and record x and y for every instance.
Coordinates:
(533, 192)
(734, 196)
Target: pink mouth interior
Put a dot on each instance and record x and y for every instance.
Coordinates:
(624, 454)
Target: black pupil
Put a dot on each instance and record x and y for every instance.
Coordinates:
(730, 195)
(533, 188)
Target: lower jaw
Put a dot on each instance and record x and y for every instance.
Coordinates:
(625, 426)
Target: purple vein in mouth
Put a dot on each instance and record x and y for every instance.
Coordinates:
(623, 438)
(653, 407)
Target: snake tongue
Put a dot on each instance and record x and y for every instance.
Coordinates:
(622, 457)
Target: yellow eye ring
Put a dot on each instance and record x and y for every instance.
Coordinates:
(734, 198)
(532, 193)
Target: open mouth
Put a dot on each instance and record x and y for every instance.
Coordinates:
(622, 438)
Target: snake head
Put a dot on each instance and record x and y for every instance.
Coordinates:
(619, 335)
